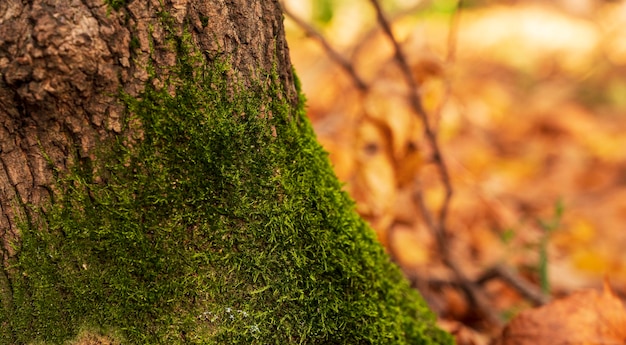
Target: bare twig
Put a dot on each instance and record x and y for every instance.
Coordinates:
(499, 271)
(471, 288)
(332, 53)
(416, 104)
(527, 290)
(475, 296)
(371, 33)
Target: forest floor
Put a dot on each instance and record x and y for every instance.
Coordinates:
(528, 103)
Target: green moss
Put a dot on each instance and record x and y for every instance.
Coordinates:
(220, 222)
(204, 20)
(134, 43)
(116, 4)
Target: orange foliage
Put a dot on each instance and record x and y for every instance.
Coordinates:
(529, 110)
(585, 318)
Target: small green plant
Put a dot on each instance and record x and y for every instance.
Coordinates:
(507, 235)
(548, 226)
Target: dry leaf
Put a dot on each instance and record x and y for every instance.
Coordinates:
(374, 183)
(411, 245)
(387, 106)
(584, 318)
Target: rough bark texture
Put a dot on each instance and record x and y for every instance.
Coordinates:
(63, 62)
(158, 177)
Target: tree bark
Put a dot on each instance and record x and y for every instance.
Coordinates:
(63, 63)
(87, 244)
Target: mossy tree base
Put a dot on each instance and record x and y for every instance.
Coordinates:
(215, 218)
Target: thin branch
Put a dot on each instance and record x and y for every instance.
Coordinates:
(371, 33)
(499, 271)
(332, 53)
(416, 104)
(471, 289)
(440, 236)
(475, 296)
(527, 290)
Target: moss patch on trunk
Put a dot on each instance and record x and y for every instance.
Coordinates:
(217, 219)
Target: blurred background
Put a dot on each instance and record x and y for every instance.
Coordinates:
(528, 100)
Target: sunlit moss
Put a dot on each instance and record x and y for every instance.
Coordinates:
(217, 221)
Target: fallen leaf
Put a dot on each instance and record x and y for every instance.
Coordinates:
(583, 318)
(374, 183)
(410, 245)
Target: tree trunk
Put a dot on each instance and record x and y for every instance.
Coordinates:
(160, 184)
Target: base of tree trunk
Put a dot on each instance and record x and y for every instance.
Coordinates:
(213, 218)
